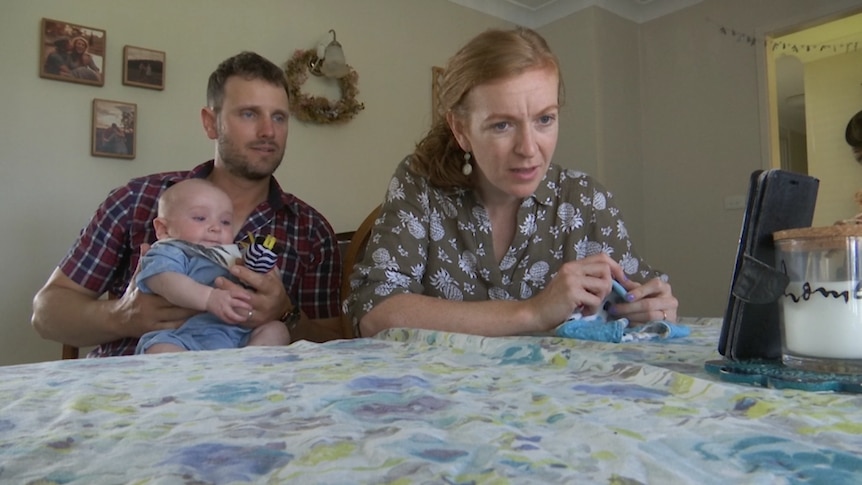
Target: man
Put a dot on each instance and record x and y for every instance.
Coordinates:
(247, 116)
(57, 62)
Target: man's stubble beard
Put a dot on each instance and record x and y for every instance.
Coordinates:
(239, 164)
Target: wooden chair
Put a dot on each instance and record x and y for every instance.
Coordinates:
(70, 352)
(354, 252)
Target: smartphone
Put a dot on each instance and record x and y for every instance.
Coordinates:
(617, 295)
(777, 200)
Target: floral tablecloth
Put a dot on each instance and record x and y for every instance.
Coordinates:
(414, 406)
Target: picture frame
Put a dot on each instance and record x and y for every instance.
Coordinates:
(144, 68)
(437, 111)
(71, 52)
(114, 129)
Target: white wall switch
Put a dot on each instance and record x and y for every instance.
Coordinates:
(734, 202)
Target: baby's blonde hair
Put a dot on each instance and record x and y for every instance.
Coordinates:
(173, 195)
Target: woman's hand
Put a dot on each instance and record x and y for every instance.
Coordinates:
(580, 285)
(652, 300)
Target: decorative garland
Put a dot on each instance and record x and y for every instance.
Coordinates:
(834, 48)
(318, 109)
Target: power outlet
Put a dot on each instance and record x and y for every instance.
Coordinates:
(734, 202)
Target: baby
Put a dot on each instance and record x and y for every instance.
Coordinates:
(195, 235)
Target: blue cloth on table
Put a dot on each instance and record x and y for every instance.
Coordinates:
(617, 331)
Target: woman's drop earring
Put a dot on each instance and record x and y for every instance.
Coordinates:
(467, 169)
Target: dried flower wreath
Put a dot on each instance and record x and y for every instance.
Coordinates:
(318, 109)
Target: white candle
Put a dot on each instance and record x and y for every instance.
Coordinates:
(821, 323)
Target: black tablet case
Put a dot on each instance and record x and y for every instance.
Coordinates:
(777, 200)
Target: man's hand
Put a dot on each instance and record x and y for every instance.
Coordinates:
(268, 300)
(139, 313)
(69, 313)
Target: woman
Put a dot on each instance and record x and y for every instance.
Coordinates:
(81, 63)
(480, 233)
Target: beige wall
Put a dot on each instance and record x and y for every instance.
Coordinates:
(600, 122)
(666, 114)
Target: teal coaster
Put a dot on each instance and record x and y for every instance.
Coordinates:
(774, 374)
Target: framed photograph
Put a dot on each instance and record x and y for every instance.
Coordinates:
(114, 126)
(437, 111)
(71, 52)
(144, 68)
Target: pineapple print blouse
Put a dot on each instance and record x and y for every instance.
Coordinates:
(438, 242)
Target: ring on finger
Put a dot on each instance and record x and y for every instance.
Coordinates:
(250, 313)
(663, 315)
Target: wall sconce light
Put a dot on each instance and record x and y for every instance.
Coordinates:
(329, 61)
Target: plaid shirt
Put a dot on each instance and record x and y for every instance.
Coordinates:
(106, 253)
